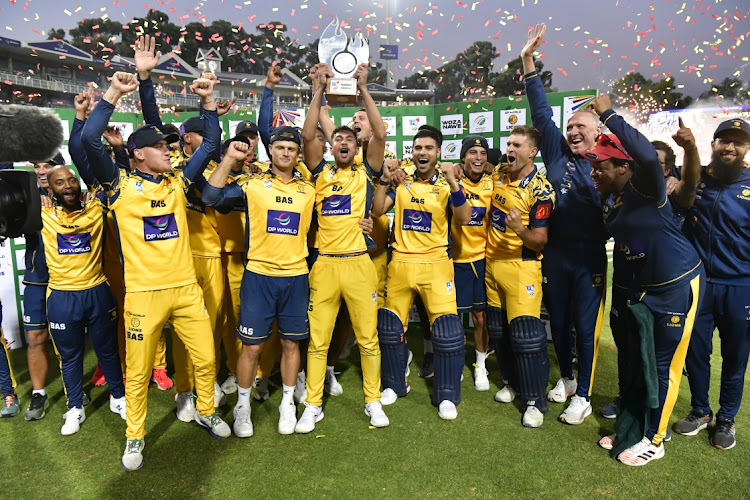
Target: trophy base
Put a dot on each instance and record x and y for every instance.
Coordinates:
(342, 91)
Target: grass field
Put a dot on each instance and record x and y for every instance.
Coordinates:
(485, 453)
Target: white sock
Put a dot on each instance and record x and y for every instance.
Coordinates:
(243, 398)
(427, 346)
(481, 357)
(40, 391)
(288, 397)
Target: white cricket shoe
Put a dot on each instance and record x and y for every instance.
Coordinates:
(117, 405)
(311, 416)
(132, 459)
(447, 410)
(229, 386)
(505, 395)
(564, 388)
(300, 387)
(287, 418)
(219, 397)
(532, 417)
(332, 385)
(260, 389)
(577, 410)
(243, 425)
(73, 419)
(378, 418)
(185, 406)
(641, 453)
(481, 381)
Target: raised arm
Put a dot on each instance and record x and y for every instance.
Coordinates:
(104, 170)
(325, 121)
(204, 88)
(384, 197)
(312, 148)
(217, 193)
(684, 194)
(265, 114)
(648, 176)
(75, 145)
(146, 58)
(461, 208)
(554, 146)
(376, 146)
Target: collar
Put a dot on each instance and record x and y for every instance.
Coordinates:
(431, 180)
(148, 177)
(525, 181)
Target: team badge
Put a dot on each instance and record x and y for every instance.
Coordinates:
(449, 286)
(267, 184)
(374, 297)
(138, 187)
(407, 185)
(530, 290)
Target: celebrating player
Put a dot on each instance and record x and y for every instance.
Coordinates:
(424, 203)
(275, 283)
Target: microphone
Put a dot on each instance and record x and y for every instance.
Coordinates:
(29, 134)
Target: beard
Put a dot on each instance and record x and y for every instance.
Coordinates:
(74, 206)
(726, 172)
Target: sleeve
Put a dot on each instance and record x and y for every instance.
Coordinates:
(101, 164)
(78, 153)
(6, 166)
(370, 172)
(648, 176)
(222, 199)
(554, 146)
(148, 102)
(197, 163)
(544, 204)
(391, 193)
(265, 118)
(122, 160)
(319, 169)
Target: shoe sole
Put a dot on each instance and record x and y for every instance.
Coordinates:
(99, 384)
(10, 415)
(131, 470)
(553, 400)
(482, 388)
(609, 415)
(429, 375)
(34, 418)
(640, 464)
(693, 432)
(239, 435)
(724, 448)
(378, 426)
(577, 422)
(158, 386)
(212, 432)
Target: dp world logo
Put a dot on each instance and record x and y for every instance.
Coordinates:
(334, 201)
(417, 220)
(73, 243)
(416, 217)
(73, 240)
(480, 120)
(283, 219)
(161, 223)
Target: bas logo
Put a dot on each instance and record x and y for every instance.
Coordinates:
(417, 200)
(158, 204)
(244, 330)
(470, 196)
(337, 188)
(284, 199)
(135, 336)
(57, 326)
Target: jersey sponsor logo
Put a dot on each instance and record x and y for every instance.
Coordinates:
(417, 220)
(498, 219)
(160, 227)
(675, 322)
(543, 211)
(68, 244)
(338, 204)
(630, 254)
(745, 195)
(477, 216)
(57, 326)
(282, 222)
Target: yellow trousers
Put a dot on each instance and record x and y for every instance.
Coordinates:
(353, 280)
(233, 265)
(145, 315)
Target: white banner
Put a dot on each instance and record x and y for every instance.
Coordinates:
(451, 149)
(390, 125)
(126, 128)
(509, 118)
(410, 124)
(452, 124)
(481, 122)
(574, 104)
(407, 150)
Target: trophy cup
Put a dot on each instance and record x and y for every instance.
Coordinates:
(343, 55)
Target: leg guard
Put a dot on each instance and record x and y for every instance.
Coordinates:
(497, 328)
(448, 341)
(529, 342)
(394, 352)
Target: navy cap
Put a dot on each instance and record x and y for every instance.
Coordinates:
(246, 126)
(58, 159)
(286, 134)
(147, 135)
(238, 138)
(192, 124)
(473, 140)
(734, 124)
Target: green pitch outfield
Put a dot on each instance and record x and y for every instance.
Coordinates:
(485, 453)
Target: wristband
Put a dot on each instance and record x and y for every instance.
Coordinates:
(458, 198)
(386, 183)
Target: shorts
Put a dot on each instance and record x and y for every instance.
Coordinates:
(35, 307)
(470, 288)
(515, 286)
(433, 281)
(265, 298)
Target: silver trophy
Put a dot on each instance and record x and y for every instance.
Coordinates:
(343, 55)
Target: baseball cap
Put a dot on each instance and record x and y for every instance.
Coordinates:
(246, 126)
(147, 135)
(608, 146)
(58, 159)
(286, 134)
(734, 124)
(473, 140)
(192, 124)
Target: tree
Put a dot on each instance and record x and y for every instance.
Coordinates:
(510, 81)
(729, 89)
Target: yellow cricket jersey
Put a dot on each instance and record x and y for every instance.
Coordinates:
(204, 241)
(381, 225)
(422, 218)
(231, 226)
(278, 220)
(151, 225)
(534, 197)
(343, 196)
(470, 242)
(73, 246)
